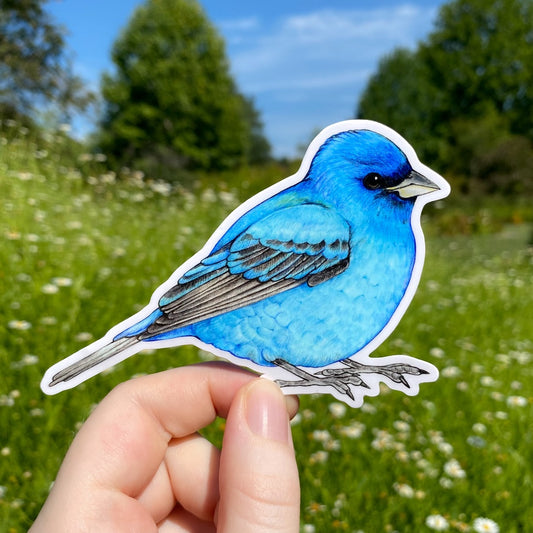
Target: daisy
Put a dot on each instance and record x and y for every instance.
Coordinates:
(338, 410)
(437, 522)
(485, 525)
(454, 470)
(19, 324)
(516, 401)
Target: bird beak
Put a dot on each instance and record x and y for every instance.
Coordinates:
(414, 185)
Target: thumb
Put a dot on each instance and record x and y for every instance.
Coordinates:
(259, 487)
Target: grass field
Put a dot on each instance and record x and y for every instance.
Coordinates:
(81, 250)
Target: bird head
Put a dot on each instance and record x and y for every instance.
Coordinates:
(369, 166)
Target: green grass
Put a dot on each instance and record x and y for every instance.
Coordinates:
(80, 253)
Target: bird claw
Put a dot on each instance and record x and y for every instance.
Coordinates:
(340, 374)
(395, 372)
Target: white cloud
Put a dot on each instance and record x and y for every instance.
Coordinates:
(240, 24)
(326, 43)
(310, 82)
(307, 70)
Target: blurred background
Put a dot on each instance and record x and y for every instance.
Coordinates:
(130, 129)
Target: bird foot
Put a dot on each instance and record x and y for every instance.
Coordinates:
(341, 382)
(395, 372)
(342, 379)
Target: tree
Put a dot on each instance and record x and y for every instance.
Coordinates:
(259, 150)
(34, 70)
(488, 159)
(172, 98)
(401, 95)
(481, 55)
(473, 72)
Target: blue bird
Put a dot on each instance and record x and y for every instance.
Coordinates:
(308, 277)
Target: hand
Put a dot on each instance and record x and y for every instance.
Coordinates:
(139, 465)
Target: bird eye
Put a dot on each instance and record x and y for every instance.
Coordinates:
(373, 181)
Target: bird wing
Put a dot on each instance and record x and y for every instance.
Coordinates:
(301, 244)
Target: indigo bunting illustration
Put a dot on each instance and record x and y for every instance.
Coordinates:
(304, 280)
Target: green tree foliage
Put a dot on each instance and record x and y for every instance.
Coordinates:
(259, 147)
(481, 54)
(172, 106)
(401, 95)
(34, 70)
(465, 95)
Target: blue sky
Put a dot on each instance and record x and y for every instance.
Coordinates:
(304, 63)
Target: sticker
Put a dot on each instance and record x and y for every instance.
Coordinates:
(302, 282)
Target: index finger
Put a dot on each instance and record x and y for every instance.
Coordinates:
(125, 439)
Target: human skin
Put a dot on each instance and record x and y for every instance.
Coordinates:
(138, 464)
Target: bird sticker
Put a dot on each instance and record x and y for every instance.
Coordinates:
(303, 281)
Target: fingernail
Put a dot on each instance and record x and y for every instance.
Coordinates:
(292, 403)
(266, 411)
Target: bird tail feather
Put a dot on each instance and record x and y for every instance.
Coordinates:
(89, 361)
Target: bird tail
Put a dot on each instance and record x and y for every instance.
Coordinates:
(56, 380)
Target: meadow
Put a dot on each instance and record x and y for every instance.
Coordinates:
(83, 248)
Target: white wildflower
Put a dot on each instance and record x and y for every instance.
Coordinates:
(49, 289)
(450, 372)
(516, 401)
(228, 198)
(353, 431)
(321, 456)
(368, 408)
(6, 401)
(332, 445)
(74, 224)
(337, 409)
(20, 325)
(437, 522)
(454, 470)
(435, 436)
(402, 456)
(445, 447)
(62, 282)
(485, 525)
(498, 396)
(437, 352)
(308, 414)
(400, 425)
(445, 483)
(321, 435)
(161, 187)
(404, 490)
(488, 381)
(209, 196)
(382, 443)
